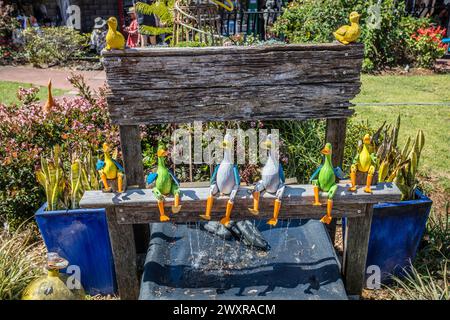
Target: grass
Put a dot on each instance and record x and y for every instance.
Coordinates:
(428, 277)
(21, 260)
(433, 120)
(404, 89)
(435, 123)
(8, 91)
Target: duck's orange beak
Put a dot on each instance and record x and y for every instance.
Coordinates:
(325, 151)
(162, 153)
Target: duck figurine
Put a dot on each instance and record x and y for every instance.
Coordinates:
(225, 181)
(326, 176)
(272, 181)
(50, 103)
(110, 169)
(349, 33)
(165, 184)
(364, 162)
(114, 39)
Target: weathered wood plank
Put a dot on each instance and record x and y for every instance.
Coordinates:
(144, 215)
(124, 254)
(356, 244)
(168, 85)
(223, 71)
(193, 199)
(228, 50)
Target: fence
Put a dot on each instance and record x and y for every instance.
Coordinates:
(255, 23)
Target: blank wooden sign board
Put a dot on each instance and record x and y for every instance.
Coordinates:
(182, 85)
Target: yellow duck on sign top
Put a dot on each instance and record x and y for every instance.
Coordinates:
(114, 39)
(348, 34)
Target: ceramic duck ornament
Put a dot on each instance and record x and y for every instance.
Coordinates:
(114, 39)
(272, 181)
(110, 169)
(364, 162)
(349, 33)
(165, 184)
(225, 181)
(324, 179)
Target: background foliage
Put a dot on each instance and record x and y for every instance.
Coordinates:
(53, 46)
(387, 36)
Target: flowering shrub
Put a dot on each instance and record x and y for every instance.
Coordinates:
(77, 124)
(426, 45)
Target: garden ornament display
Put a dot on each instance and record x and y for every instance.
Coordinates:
(272, 181)
(114, 39)
(326, 181)
(48, 106)
(54, 286)
(110, 169)
(165, 184)
(225, 180)
(349, 33)
(365, 162)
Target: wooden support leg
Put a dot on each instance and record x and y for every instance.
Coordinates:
(124, 253)
(356, 242)
(130, 142)
(335, 134)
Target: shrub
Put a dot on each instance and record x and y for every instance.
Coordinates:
(77, 124)
(426, 46)
(53, 46)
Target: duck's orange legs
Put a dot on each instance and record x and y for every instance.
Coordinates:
(162, 215)
(209, 204)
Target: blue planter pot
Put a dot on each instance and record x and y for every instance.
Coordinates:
(81, 236)
(395, 234)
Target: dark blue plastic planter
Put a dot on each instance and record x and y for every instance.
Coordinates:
(81, 236)
(395, 235)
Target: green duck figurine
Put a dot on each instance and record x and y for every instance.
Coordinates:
(364, 162)
(326, 176)
(165, 184)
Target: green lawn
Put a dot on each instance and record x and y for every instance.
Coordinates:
(433, 120)
(405, 89)
(8, 91)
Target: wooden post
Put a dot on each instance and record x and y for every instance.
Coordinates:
(356, 244)
(335, 134)
(122, 239)
(130, 142)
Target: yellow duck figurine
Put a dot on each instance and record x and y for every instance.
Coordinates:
(364, 162)
(348, 34)
(110, 169)
(114, 39)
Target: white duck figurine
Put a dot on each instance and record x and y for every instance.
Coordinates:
(272, 181)
(225, 181)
